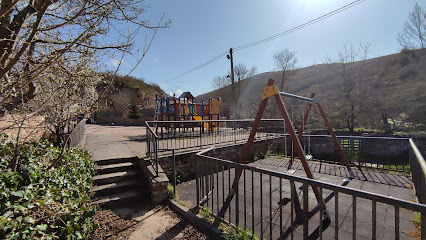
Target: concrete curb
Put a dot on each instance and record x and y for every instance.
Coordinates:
(196, 221)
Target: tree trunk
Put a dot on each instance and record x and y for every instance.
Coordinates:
(282, 82)
(351, 120)
(386, 125)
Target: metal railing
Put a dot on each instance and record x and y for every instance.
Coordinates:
(152, 147)
(418, 176)
(275, 205)
(187, 135)
(184, 136)
(386, 153)
(76, 133)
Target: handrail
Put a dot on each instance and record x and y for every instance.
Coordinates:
(198, 121)
(419, 156)
(150, 129)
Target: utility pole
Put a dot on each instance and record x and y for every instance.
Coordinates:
(232, 82)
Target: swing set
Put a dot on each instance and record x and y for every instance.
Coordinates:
(271, 91)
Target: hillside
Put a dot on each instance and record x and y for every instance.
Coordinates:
(114, 106)
(390, 87)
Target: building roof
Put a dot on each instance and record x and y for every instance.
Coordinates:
(186, 95)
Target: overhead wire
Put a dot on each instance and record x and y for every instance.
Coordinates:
(198, 67)
(318, 19)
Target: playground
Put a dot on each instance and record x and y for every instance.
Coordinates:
(268, 178)
(183, 108)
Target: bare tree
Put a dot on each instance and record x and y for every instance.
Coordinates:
(378, 97)
(35, 34)
(49, 53)
(347, 59)
(241, 72)
(220, 82)
(351, 74)
(414, 32)
(285, 61)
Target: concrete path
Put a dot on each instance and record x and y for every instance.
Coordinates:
(109, 142)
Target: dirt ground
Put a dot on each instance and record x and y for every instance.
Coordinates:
(157, 223)
(31, 129)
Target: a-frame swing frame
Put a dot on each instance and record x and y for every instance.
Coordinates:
(312, 101)
(269, 91)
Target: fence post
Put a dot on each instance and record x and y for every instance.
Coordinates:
(423, 225)
(148, 142)
(237, 205)
(156, 156)
(197, 181)
(201, 134)
(174, 173)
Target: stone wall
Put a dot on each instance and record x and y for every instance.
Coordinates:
(158, 185)
(185, 163)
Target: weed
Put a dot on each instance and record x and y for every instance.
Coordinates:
(171, 191)
(239, 233)
(228, 231)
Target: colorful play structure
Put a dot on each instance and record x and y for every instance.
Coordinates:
(183, 108)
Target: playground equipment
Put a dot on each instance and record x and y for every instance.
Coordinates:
(269, 91)
(183, 108)
(312, 101)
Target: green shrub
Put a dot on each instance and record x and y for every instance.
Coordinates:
(41, 200)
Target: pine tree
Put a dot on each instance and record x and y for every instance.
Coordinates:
(135, 111)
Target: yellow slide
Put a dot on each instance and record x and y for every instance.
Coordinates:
(205, 124)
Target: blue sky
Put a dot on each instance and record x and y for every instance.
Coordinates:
(201, 30)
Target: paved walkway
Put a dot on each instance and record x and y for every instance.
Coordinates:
(109, 142)
(363, 174)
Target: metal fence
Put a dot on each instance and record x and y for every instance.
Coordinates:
(275, 205)
(370, 152)
(418, 175)
(76, 132)
(152, 147)
(183, 136)
(186, 135)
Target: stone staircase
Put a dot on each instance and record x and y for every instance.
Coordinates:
(117, 181)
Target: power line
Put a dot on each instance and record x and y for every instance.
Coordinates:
(198, 67)
(318, 19)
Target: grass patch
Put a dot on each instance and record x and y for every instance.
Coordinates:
(171, 191)
(416, 233)
(259, 156)
(397, 169)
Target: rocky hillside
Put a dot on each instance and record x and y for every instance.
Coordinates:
(388, 93)
(125, 91)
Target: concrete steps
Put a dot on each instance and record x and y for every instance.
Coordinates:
(118, 181)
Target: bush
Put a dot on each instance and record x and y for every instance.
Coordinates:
(406, 56)
(43, 201)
